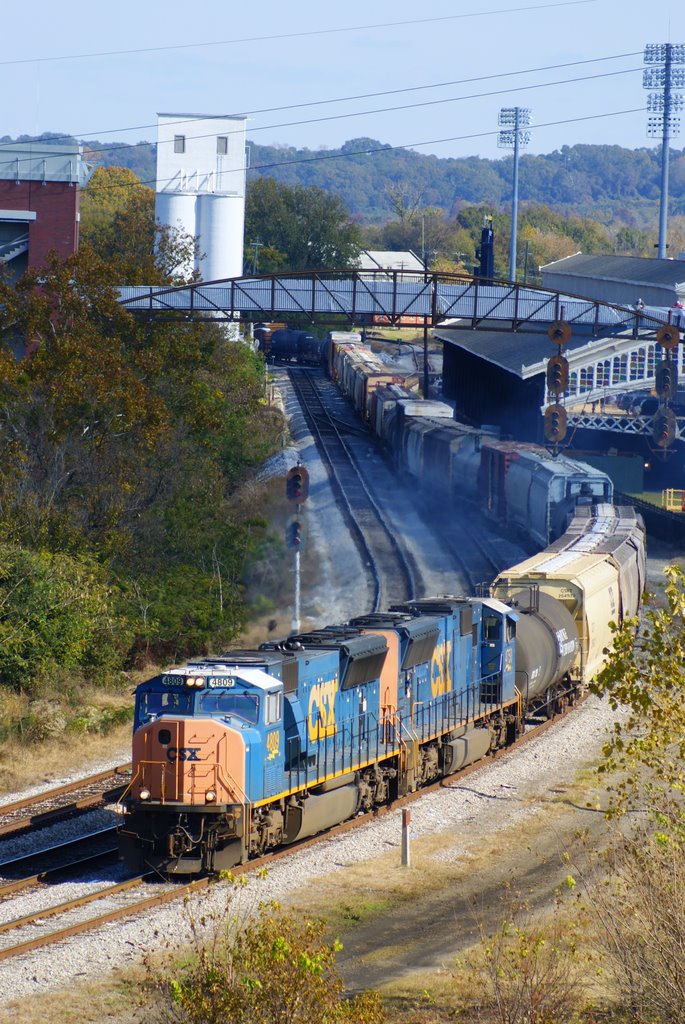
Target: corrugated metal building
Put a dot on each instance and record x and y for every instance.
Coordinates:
(619, 279)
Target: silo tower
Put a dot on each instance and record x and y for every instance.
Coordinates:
(201, 187)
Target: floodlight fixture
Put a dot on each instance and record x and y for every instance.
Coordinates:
(514, 121)
(657, 53)
(656, 101)
(664, 73)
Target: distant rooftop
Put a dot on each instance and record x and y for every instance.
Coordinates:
(42, 161)
(637, 270)
(387, 259)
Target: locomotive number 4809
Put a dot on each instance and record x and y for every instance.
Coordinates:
(273, 745)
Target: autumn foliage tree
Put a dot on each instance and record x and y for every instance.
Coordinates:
(641, 903)
(126, 444)
(118, 223)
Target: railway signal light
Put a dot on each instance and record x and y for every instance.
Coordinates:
(557, 375)
(293, 535)
(555, 423)
(668, 336)
(297, 485)
(663, 428)
(666, 379)
(559, 332)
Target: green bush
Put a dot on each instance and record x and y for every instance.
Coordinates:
(57, 613)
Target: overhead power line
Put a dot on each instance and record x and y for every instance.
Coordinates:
(292, 35)
(372, 151)
(340, 99)
(393, 109)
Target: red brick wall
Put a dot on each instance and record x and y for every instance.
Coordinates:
(56, 204)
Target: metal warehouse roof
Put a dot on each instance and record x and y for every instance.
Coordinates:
(525, 354)
(626, 269)
(386, 259)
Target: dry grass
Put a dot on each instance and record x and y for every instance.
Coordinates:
(115, 998)
(24, 764)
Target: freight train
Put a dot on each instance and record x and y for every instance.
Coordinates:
(239, 754)
(280, 344)
(521, 486)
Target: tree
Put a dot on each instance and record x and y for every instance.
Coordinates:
(118, 221)
(108, 192)
(301, 228)
(127, 443)
(274, 969)
(641, 907)
(645, 673)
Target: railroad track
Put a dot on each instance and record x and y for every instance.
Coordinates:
(32, 932)
(471, 552)
(99, 842)
(392, 574)
(63, 801)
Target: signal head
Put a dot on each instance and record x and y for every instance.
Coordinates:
(555, 423)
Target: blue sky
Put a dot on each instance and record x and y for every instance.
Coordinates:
(237, 69)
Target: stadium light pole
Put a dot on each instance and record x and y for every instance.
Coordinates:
(662, 73)
(514, 121)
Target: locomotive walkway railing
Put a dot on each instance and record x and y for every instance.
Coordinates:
(394, 297)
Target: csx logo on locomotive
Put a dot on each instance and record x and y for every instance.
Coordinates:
(322, 710)
(174, 754)
(441, 679)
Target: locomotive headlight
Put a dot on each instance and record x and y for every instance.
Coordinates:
(144, 794)
(210, 796)
(197, 681)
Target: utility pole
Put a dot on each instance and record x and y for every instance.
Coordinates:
(297, 491)
(256, 245)
(663, 106)
(424, 256)
(514, 121)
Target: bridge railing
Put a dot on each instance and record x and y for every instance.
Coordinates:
(355, 295)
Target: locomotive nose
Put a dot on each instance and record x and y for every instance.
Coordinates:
(188, 761)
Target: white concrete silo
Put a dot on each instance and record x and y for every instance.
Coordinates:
(201, 188)
(220, 228)
(178, 211)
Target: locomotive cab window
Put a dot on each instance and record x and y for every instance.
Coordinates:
(242, 705)
(510, 630)
(492, 628)
(165, 702)
(273, 708)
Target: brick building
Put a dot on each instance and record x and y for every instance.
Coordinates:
(39, 202)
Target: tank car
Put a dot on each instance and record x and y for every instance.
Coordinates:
(239, 754)
(292, 346)
(592, 578)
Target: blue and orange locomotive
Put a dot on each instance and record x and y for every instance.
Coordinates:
(239, 754)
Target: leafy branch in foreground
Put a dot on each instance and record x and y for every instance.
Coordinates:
(645, 673)
(274, 967)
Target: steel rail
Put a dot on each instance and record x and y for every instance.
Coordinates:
(50, 874)
(70, 787)
(363, 511)
(50, 850)
(78, 901)
(84, 803)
